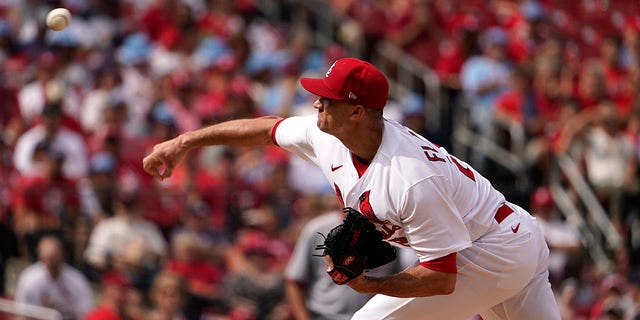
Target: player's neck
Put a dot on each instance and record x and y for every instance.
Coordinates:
(365, 141)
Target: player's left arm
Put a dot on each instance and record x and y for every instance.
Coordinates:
(436, 232)
(417, 281)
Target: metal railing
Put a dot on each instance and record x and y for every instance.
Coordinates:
(406, 70)
(26, 310)
(595, 212)
(465, 139)
(327, 25)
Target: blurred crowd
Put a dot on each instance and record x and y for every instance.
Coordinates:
(82, 106)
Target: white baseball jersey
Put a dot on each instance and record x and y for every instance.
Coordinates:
(418, 194)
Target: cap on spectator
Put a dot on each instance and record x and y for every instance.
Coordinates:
(493, 36)
(114, 277)
(613, 282)
(56, 155)
(160, 114)
(102, 162)
(542, 198)
(198, 209)
(116, 98)
(633, 23)
(52, 110)
(335, 52)
(413, 104)
(5, 28)
(135, 49)
(351, 80)
(209, 50)
(532, 10)
(254, 243)
(259, 62)
(45, 148)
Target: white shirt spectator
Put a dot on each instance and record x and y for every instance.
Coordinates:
(112, 236)
(69, 294)
(66, 141)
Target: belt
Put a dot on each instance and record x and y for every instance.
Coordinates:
(503, 212)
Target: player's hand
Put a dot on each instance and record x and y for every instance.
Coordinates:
(164, 158)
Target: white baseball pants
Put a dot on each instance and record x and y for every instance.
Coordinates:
(502, 276)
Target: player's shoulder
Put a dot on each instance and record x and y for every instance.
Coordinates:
(406, 149)
(304, 125)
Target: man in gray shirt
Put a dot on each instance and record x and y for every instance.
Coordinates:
(310, 292)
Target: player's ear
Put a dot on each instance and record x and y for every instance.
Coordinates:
(358, 111)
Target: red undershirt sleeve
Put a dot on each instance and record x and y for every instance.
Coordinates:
(273, 132)
(443, 264)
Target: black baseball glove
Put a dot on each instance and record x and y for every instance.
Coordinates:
(355, 246)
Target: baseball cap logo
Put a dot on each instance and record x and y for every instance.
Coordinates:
(352, 96)
(326, 75)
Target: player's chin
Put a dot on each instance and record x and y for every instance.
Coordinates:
(321, 125)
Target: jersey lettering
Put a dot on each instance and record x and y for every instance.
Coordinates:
(388, 229)
(432, 155)
(465, 170)
(401, 241)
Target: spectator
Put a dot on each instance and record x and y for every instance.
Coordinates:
(202, 278)
(99, 188)
(33, 96)
(254, 288)
(619, 88)
(113, 298)
(563, 240)
(608, 306)
(410, 25)
(61, 138)
(46, 202)
(52, 283)
(168, 296)
(127, 242)
(483, 77)
(8, 250)
(607, 147)
(310, 293)
(197, 222)
(97, 99)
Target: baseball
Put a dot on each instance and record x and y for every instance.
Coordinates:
(58, 19)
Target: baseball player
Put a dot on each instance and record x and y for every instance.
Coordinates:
(479, 254)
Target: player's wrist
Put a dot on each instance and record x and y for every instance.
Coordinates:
(185, 141)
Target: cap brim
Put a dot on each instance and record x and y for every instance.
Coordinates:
(317, 87)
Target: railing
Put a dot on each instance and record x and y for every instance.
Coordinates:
(573, 217)
(600, 220)
(465, 138)
(327, 25)
(406, 70)
(27, 310)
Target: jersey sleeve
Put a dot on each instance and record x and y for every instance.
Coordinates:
(432, 223)
(296, 134)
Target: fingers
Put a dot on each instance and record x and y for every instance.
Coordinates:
(154, 165)
(330, 262)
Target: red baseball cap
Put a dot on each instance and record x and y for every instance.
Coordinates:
(351, 80)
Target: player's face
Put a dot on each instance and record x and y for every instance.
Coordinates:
(333, 115)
